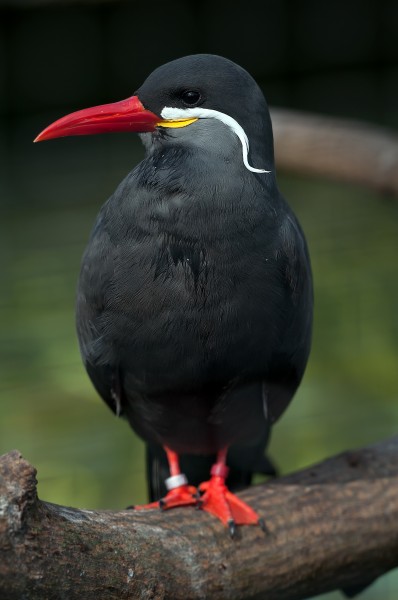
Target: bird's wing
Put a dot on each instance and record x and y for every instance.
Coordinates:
(94, 282)
(288, 364)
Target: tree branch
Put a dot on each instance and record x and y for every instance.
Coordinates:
(340, 149)
(331, 526)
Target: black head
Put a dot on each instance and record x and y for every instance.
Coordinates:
(210, 82)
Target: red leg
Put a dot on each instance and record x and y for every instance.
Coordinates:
(179, 492)
(220, 502)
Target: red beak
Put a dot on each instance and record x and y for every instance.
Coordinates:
(127, 115)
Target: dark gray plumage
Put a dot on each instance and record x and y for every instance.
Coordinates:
(194, 304)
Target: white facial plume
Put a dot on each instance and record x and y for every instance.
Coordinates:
(170, 113)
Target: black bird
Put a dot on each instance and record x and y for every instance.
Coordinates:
(194, 305)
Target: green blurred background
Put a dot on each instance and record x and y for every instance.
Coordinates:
(336, 58)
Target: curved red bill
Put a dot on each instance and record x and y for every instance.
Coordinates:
(127, 115)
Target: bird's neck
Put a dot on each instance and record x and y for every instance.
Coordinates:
(189, 192)
(208, 156)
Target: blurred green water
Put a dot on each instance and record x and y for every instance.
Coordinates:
(86, 457)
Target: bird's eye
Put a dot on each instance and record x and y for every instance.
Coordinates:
(190, 97)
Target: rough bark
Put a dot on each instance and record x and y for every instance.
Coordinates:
(334, 525)
(341, 149)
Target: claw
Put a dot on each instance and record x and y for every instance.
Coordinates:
(199, 504)
(263, 526)
(232, 527)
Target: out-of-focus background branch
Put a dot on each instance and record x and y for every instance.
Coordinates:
(339, 149)
(336, 60)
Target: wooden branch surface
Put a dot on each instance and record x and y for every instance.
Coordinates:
(341, 149)
(331, 526)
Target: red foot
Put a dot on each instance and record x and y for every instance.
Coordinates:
(184, 495)
(220, 502)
